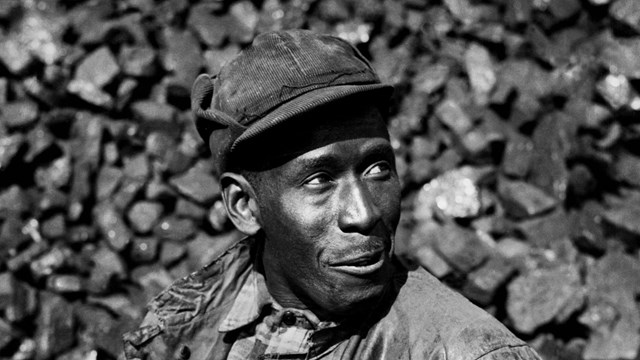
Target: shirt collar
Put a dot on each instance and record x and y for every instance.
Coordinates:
(246, 308)
(251, 300)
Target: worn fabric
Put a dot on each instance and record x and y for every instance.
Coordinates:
(278, 331)
(420, 319)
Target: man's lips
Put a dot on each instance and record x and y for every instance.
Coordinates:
(362, 264)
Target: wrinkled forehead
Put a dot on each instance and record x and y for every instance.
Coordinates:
(320, 128)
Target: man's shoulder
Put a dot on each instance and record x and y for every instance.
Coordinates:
(435, 318)
(197, 301)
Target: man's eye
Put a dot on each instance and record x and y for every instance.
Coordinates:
(379, 170)
(318, 179)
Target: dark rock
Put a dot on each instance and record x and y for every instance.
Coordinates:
(218, 218)
(13, 55)
(174, 229)
(197, 185)
(460, 247)
(27, 255)
(454, 117)
(137, 167)
(7, 334)
(88, 131)
(627, 169)
(81, 234)
(108, 267)
(144, 250)
(553, 141)
(627, 12)
(582, 182)
(40, 141)
(516, 160)
(480, 70)
(210, 28)
(128, 191)
(482, 284)
(614, 321)
(586, 227)
(11, 235)
(621, 56)
(522, 200)
(107, 181)
(65, 284)
(112, 226)
(189, 209)
(56, 332)
(153, 111)
(453, 194)
(158, 190)
(54, 227)
(80, 190)
(137, 60)
(13, 201)
(613, 272)
(102, 330)
(182, 57)
(624, 219)
(543, 231)
(615, 89)
(9, 147)
(419, 249)
(563, 9)
(152, 278)
(171, 252)
(50, 261)
(125, 92)
(612, 314)
(158, 144)
(96, 70)
(19, 114)
(537, 297)
(143, 215)
(23, 302)
(56, 175)
(110, 153)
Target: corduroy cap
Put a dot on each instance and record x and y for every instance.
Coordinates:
(280, 76)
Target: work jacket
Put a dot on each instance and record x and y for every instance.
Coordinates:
(423, 320)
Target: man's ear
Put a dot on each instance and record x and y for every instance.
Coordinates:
(240, 201)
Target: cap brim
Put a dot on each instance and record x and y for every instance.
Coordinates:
(309, 101)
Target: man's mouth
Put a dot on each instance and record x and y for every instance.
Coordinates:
(360, 265)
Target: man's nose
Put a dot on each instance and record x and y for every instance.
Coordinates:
(358, 212)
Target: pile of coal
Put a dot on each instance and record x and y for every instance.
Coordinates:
(515, 125)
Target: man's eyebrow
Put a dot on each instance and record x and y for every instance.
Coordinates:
(320, 161)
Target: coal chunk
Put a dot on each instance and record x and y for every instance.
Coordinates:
(112, 226)
(9, 147)
(537, 297)
(522, 199)
(56, 332)
(143, 215)
(19, 114)
(197, 185)
(95, 71)
(174, 228)
(627, 12)
(138, 61)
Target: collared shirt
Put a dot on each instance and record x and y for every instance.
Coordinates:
(266, 328)
(422, 319)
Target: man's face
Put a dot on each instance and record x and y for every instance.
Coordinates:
(329, 213)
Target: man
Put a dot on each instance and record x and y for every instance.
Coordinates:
(296, 127)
